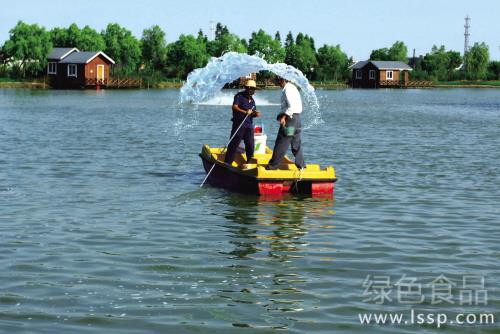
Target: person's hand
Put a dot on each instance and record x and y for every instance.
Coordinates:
(256, 113)
(249, 111)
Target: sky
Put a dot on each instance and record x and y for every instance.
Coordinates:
(359, 26)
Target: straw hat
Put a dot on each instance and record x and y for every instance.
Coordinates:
(251, 84)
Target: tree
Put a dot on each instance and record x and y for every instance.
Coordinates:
(28, 47)
(454, 61)
(304, 55)
(59, 37)
(90, 40)
(398, 52)
(3, 57)
(301, 53)
(264, 44)
(245, 43)
(154, 48)
(289, 41)
(73, 35)
(380, 54)
(476, 61)
(86, 39)
(3, 62)
(224, 42)
(203, 42)
(435, 63)
(220, 30)
(333, 63)
(185, 55)
(277, 37)
(441, 64)
(494, 70)
(202, 38)
(290, 55)
(311, 42)
(123, 47)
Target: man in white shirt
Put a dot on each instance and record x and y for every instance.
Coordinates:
(289, 132)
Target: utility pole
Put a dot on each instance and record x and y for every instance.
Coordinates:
(212, 30)
(466, 39)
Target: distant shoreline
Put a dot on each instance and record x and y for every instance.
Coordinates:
(316, 85)
(465, 86)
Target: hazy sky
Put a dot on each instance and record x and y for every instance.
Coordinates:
(358, 26)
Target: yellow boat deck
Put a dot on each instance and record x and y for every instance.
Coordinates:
(257, 166)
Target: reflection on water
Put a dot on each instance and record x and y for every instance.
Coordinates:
(271, 232)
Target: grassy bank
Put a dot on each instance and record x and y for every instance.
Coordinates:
(23, 83)
(468, 84)
(40, 84)
(166, 84)
(329, 85)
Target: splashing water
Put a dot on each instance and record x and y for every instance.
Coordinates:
(205, 83)
(226, 99)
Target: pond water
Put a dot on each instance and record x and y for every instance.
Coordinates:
(104, 229)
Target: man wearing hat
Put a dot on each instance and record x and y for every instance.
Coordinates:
(290, 126)
(244, 110)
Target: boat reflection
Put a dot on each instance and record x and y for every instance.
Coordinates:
(270, 239)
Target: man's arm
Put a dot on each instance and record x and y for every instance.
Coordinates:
(244, 111)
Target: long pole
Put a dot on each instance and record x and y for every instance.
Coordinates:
(234, 134)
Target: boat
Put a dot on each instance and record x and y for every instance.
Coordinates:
(254, 178)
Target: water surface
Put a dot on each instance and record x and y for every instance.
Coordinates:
(104, 229)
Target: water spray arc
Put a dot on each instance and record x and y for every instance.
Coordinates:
(205, 83)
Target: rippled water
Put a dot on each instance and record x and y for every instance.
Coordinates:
(104, 229)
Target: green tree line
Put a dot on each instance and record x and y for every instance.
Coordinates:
(444, 65)
(25, 53)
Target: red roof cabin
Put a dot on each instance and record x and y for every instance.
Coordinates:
(71, 68)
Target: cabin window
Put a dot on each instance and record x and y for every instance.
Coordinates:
(52, 68)
(372, 74)
(72, 70)
(389, 75)
(359, 74)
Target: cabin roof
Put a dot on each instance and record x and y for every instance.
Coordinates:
(360, 64)
(391, 65)
(383, 65)
(60, 53)
(84, 57)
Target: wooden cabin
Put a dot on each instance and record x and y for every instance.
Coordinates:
(240, 82)
(380, 74)
(251, 76)
(71, 68)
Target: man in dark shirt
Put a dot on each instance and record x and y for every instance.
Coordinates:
(244, 110)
